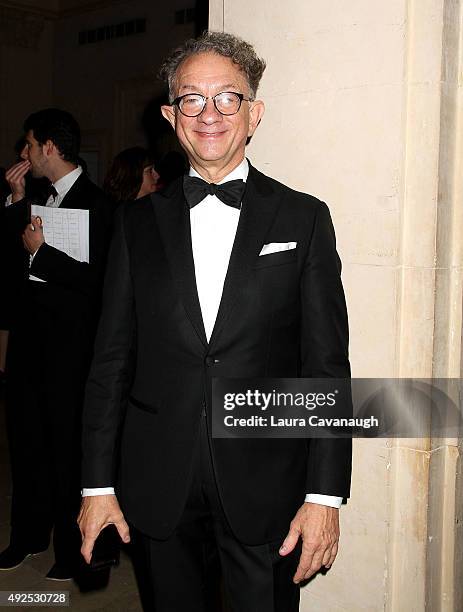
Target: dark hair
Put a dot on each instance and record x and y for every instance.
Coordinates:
(125, 176)
(238, 50)
(58, 126)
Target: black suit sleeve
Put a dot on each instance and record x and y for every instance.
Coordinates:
(107, 383)
(14, 258)
(57, 267)
(16, 217)
(324, 350)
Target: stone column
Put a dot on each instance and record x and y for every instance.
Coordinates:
(364, 110)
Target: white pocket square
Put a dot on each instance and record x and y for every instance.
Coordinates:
(276, 247)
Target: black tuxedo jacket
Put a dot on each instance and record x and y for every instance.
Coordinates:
(281, 315)
(73, 288)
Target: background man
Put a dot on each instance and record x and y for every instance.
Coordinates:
(189, 297)
(52, 332)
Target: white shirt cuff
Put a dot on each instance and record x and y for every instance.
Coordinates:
(98, 491)
(9, 200)
(324, 500)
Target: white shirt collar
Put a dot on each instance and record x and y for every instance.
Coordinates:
(65, 183)
(240, 172)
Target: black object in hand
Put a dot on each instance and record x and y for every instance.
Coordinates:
(106, 550)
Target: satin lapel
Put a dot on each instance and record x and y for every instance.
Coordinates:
(173, 220)
(260, 204)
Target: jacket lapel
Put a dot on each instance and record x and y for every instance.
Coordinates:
(260, 204)
(73, 198)
(173, 218)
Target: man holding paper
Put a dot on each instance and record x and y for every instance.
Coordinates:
(61, 239)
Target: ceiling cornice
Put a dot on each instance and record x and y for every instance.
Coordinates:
(26, 8)
(20, 28)
(86, 7)
(90, 6)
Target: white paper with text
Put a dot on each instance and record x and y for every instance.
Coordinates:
(66, 229)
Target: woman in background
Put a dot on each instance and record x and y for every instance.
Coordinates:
(131, 176)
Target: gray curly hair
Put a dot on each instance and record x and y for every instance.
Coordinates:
(238, 50)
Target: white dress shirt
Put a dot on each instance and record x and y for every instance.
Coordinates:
(213, 230)
(62, 186)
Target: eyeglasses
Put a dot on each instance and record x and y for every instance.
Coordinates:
(226, 102)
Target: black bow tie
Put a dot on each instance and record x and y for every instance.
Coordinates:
(51, 192)
(230, 193)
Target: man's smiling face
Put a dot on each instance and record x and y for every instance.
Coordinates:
(211, 140)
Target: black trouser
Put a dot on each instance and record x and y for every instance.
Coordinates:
(44, 403)
(184, 572)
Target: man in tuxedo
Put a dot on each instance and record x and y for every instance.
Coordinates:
(191, 294)
(53, 324)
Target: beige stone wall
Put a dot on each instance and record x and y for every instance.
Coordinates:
(364, 110)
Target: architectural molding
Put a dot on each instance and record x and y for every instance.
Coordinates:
(84, 6)
(20, 28)
(89, 6)
(26, 9)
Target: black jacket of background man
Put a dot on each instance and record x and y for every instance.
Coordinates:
(52, 330)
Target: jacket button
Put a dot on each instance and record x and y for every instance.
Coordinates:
(209, 361)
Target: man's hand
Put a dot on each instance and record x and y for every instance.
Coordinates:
(96, 513)
(16, 179)
(318, 526)
(33, 235)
